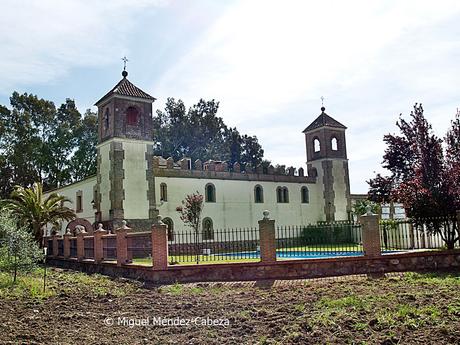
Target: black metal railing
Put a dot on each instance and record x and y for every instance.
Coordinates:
(88, 243)
(214, 246)
(426, 233)
(319, 240)
(49, 251)
(73, 247)
(60, 245)
(109, 247)
(139, 247)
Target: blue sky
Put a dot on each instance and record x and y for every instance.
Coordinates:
(267, 62)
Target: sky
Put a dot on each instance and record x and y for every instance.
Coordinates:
(268, 63)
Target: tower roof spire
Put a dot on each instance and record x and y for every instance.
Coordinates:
(125, 72)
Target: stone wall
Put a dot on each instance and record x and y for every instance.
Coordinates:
(295, 269)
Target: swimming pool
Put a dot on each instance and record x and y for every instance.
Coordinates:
(295, 254)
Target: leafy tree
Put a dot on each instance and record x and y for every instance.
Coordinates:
(83, 162)
(360, 207)
(35, 211)
(190, 214)
(379, 192)
(199, 133)
(18, 250)
(424, 180)
(41, 143)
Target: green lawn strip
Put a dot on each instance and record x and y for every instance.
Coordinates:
(30, 285)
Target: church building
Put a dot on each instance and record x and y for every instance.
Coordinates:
(134, 185)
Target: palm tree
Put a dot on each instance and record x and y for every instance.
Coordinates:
(36, 211)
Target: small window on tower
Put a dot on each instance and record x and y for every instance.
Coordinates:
(106, 119)
(132, 115)
(334, 144)
(316, 145)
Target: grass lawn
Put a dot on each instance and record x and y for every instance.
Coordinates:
(406, 308)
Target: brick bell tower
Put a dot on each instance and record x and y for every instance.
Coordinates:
(124, 155)
(327, 159)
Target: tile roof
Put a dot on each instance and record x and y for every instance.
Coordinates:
(126, 88)
(324, 120)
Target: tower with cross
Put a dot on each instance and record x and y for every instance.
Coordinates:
(327, 160)
(125, 146)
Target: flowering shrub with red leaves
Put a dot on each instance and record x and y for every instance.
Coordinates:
(425, 177)
(190, 211)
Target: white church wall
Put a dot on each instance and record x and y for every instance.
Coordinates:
(340, 190)
(70, 191)
(235, 206)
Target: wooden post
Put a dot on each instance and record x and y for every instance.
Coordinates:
(67, 236)
(122, 248)
(267, 239)
(98, 244)
(80, 246)
(371, 234)
(159, 245)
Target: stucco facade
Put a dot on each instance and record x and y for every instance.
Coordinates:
(133, 185)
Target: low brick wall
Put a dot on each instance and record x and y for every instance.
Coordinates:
(292, 269)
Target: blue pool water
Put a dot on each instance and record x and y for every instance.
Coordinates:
(297, 255)
(301, 254)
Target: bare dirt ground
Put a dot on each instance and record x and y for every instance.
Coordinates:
(398, 309)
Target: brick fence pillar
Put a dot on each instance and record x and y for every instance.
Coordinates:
(159, 245)
(267, 239)
(80, 246)
(371, 234)
(67, 244)
(122, 246)
(98, 244)
(55, 245)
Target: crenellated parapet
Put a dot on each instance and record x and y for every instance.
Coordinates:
(222, 170)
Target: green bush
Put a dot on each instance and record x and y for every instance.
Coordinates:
(18, 250)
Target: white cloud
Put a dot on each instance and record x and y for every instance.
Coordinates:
(268, 62)
(42, 40)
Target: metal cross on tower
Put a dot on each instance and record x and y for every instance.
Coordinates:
(125, 60)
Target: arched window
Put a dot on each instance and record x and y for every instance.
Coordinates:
(334, 144)
(210, 193)
(170, 224)
(106, 118)
(305, 196)
(208, 230)
(258, 194)
(316, 145)
(132, 115)
(279, 195)
(163, 192)
(285, 195)
(282, 195)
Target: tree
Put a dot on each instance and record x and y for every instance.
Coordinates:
(190, 214)
(39, 143)
(379, 192)
(360, 207)
(423, 179)
(35, 211)
(18, 250)
(199, 133)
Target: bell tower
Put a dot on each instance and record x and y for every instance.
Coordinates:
(327, 159)
(124, 151)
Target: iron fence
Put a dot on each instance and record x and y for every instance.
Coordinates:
(109, 247)
(427, 233)
(50, 248)
(88, 247)
(139, 246)
(60, 245)
(319, 240)
(224, 245)
(73, 247)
